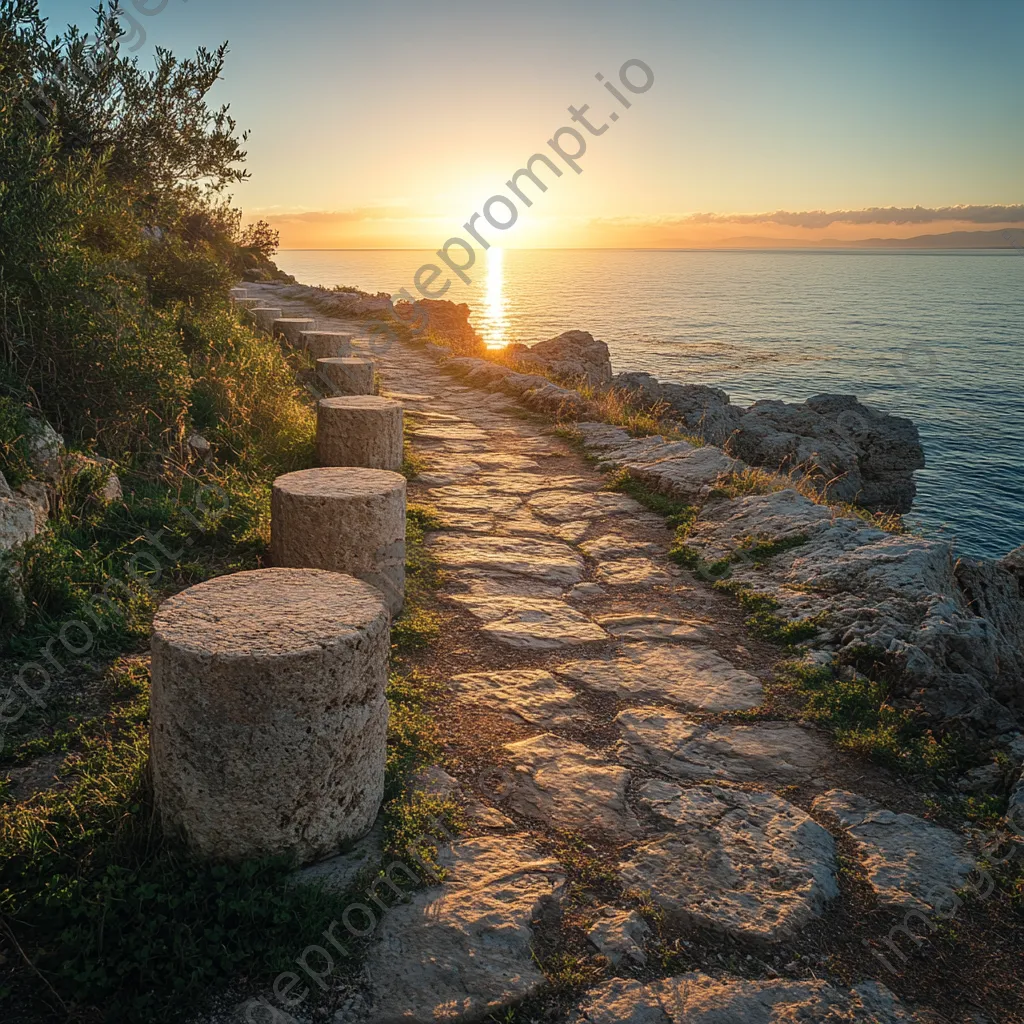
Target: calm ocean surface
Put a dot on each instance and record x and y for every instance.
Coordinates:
(936, 336)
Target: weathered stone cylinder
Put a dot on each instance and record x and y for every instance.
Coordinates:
(347, 376)
(291, 327)
(265, 317)
(326, 344)
(268, 716)
(239, 293)
(361, 430)
(345, 520)
(249, 304)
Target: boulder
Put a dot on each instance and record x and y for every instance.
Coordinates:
(45, 448)
(852, 451)
(18, 522)
(573, 355)
(951, 631)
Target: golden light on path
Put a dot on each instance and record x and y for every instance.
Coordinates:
(494, 328)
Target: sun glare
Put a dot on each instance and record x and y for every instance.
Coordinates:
(494, 326)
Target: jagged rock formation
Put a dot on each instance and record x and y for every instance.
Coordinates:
(573, 355)
(852, 451)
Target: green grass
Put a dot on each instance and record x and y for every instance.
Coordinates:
(112, 913)
(414, 821)
(752, 549)
(677, 514)
(15, 458)
(863, 720)
(419, 623)
(764, 623)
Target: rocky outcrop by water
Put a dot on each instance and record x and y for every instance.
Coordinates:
(950, 630)
(852, 451)
(574, 355)
(611, 711)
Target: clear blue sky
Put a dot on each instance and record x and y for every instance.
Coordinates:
(394, 116)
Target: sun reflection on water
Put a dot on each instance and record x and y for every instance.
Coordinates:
(494, 328)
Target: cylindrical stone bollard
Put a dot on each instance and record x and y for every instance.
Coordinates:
(361, 430)
(265, 317)
(326, 344)
(348, 376)
(268, 716)
(239, 293)
(249, 304)
(345, 520)
(291, 327)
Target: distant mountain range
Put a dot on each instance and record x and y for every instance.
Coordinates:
(1010, 238)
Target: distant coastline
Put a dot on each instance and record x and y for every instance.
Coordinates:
(1012, 238)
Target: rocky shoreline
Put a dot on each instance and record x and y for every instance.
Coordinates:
(947, 630)
(649, 831)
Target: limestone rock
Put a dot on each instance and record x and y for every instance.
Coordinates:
(618, 934)
(573, 355)
(635, 572)
(462, 950)
(527, 695)
(856, 452)
(616, 545)
(337, 874)
(531, 623)
(911, 863)
(565, 785)
(268, 720)
(952, 631)
(692, 677)
(751, 865)
(45, 447)
(18, 521)
(679, 747)
(700, 999)
(705, 411)
(688, 478)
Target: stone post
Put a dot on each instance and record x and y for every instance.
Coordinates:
(326, 344)
(291, 328)
(239, 293)
(249, 304)
(361, 430)
(347, 376)
(265, 317)
(344, 520)
(268, 716)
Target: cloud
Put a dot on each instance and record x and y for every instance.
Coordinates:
(329, 217)
(873, 215)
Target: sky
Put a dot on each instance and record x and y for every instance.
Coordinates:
(388, 124)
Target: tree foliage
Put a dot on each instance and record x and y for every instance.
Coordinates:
(115, 233)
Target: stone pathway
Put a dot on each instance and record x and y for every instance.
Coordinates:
(596, 690)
